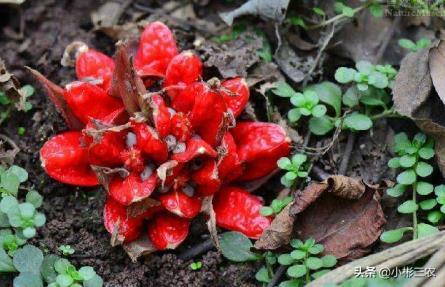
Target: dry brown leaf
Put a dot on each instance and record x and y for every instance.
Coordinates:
(105, 174)
(437, 69)
(138, 208)
(342, 213)
(164, 170)
(207, 208)
(138, 248)
(290, 63)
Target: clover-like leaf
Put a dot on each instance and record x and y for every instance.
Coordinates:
(423, 169)
(358, 122)
(28, 279)
(28, 259)
(408, 206)
(283, 89)
(428, 204)
(329, 261)
(296, 271)
(407, 177)
(321, 125)
(21, 173)
(314, 263)
(286, 259)
(394, 235)
(424, 188)
(34, 198)
(424, 230)
(344, 75)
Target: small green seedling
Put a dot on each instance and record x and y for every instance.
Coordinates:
(10, 180)
(412, 157)
(23, 216)
(69, 276)
(295, 167)
(7, 105)
(414, 47)
(10, 242)
(196, 265)
(276, 206)
(66, 250)
(304, 262)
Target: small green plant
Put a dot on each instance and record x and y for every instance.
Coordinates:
(411, 159)
(276, 206)
(304, 262)
(295, 168)
(196, 265)
(10, 180)
(7, 105)
(66, 250)
(414, 46)
(69, 276)
(10, 242)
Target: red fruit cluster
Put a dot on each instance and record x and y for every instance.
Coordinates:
(160, 152)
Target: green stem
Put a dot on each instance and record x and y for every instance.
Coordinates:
(337, 17)
(414, 213)
(391, 113)
(308, 277)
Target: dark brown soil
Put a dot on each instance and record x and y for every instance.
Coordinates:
(74, 215)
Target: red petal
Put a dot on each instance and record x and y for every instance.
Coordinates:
(167, 231)
(195, 147)
(208, 117)
(181, 127)
(236, 94)
(229, 164)
(66, 160)
(184, 101)
(238, 210)
(207, 179)
(132, 188)
(55, 93)
(157, 47)
(89, 101)
(259, 147)
(179, 203)
(161, 116)
(115, 216)
(149, 142)
(184, 69)
(96, 65)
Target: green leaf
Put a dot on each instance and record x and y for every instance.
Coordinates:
(428, 204)
(394, 235)
(351, 97)
(434, 216)
(396, 191)
(296, 243)
(21, 173)
(394, 162)
(27, 210)
(358, 122)
(419, 140)
(298, 254)
(423, 43)
(424, 230)
(424, 188)
(344, 75)
(439, 190)
(329, 261)
(28, 259)
(407, 161)
(401, 142)
(34, 198)
(6, 264)
(426, 153)
(47, 270)
(266, 211)
(87, 272)
(298, 100)
(330, 94)
(290, 175)
(408, 44)
(96, 281)
(64, 280)
(235, 246)
(316, 249)
(27, 279)
(376, 10)
(348, 11)
(8, 203)
(364, 67)
(314, 263)
(320, 273)
(294, 115)
(319, 11)
(371, 100)
(378, 80)
(296, 271)
(29, 232)
(290, 283)
(308, 243)
(298, 159)
(407, 177)
(441, 199)
(10, 182)
(39, 220)
(362, 87)
(320, 126)
(284, 163)
(62, 265)
(285, 182)
(283, 89)
(285, 259)
(319, 111)
(424, 169)
(408, 206)
(263, 275)
(311, 97)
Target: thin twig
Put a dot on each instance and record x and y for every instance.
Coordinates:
(197, 250)
(347, 153)
(8, 155)
(277, 276)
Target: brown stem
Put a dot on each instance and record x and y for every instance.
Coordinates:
(347, 153)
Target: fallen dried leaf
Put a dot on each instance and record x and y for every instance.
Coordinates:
(290, 63)
(342, 213)
(138, 248)
(266, 9)
(207, 209)
(105, 174)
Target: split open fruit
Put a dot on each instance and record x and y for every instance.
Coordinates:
(160, 154)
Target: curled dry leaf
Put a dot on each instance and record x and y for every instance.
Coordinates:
(342, 213)
(415, 98)
(9, 84)
(207, 209)
(139, 208)
(138, 248)
(105, 174)
(266, 9)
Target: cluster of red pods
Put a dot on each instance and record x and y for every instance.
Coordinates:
(161, 141)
